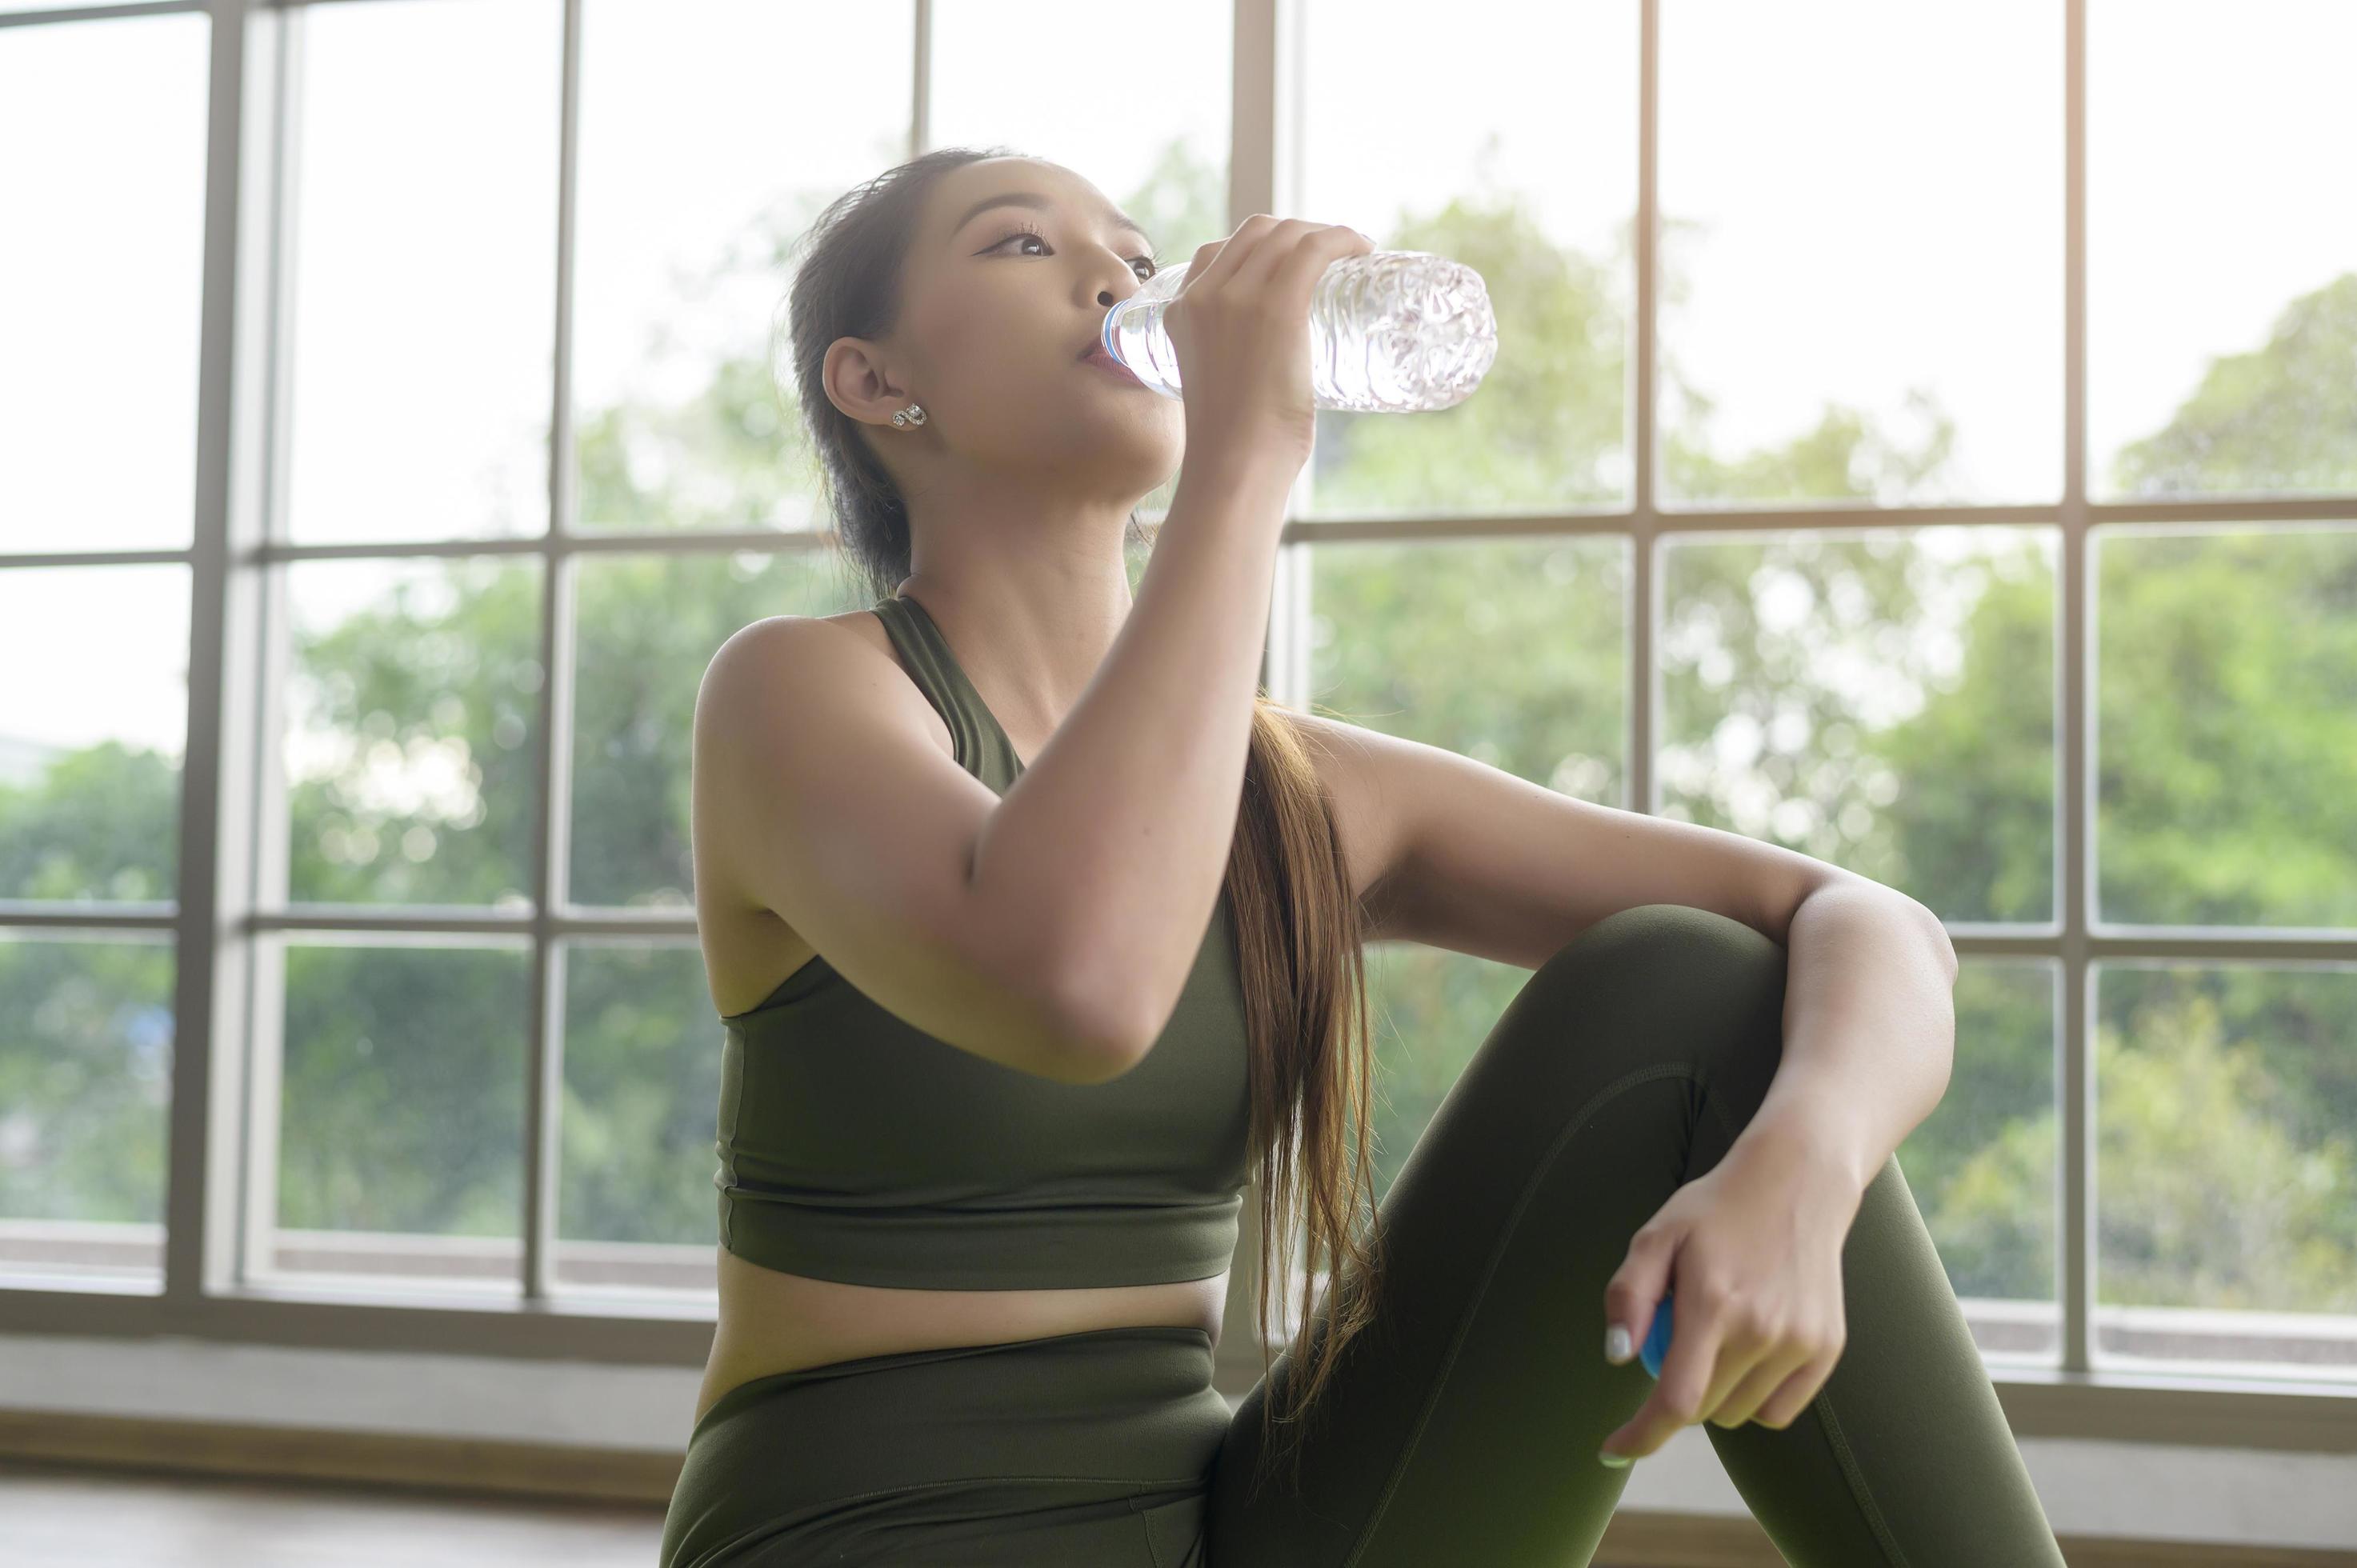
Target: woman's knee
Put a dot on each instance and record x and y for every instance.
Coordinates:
(1682, 931)
(1669, 978)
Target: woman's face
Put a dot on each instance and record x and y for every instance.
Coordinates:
(995, 321)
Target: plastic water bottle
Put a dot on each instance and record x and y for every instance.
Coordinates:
(1657, 1337)
(1390, 332)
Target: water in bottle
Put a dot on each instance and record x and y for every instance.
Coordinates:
(1390, 332)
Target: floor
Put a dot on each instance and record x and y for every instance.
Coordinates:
(123, 1519)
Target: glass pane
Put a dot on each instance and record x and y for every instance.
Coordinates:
(1511, 653)
(101, 274)
(401, 1127)
(1162, 156)
(2222, 274)
(678, 422)
(1429, 1010)
(93, 725)
(424, 305)
(85, 1088)
(1519, 162)
(1986, 1166)
(2226, 1169)
(2227, 675)
(1880, 700)
(414, 708)
(641, 1095)
(1862, 252)
(649, 625)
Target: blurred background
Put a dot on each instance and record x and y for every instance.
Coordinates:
(1923, 437)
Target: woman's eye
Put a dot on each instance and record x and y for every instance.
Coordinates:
(1152, 266)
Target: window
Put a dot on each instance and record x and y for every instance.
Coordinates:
(1944, 502)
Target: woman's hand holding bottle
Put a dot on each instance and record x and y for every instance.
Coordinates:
(1241, 326)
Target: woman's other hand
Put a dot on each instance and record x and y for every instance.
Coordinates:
(1753, 1249)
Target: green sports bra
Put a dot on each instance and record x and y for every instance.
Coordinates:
(855, 1146)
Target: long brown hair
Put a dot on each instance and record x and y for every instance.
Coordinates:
(1298, 928)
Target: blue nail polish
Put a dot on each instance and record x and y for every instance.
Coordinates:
(1657, 1338)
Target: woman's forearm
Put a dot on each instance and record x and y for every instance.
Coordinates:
(1869, 1029)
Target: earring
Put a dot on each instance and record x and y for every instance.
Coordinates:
(912, 414)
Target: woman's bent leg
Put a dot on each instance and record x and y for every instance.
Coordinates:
(1462, 1425)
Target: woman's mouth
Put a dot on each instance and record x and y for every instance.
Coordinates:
(1104, 360)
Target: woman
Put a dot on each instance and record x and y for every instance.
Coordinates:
(1036, 929)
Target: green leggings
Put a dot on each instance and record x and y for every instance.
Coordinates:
(1462, 1425)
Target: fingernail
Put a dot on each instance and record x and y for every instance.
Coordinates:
(1618, 1461)
(1616, 1343)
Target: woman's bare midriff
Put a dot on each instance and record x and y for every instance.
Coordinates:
(772, 1322)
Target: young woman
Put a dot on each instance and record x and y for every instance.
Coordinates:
(1035, 929)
